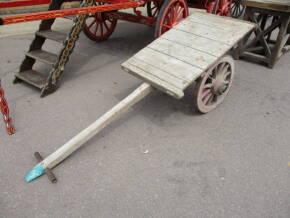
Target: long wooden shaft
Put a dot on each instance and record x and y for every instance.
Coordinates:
(68, 12)
(77, 141)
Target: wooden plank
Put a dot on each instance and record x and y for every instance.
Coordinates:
(218, 35)
(158, 73)
(81, 138)
(43, 56)
(32, 77)
(197, 42)
(185, 54)
(52, 35)
(170, 65)
(277, 5)
(133, 68)
(219, 22)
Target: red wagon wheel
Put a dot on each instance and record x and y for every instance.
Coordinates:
(171, 13)
(99, 26)
(214, 86)
(153, 8)
(224, 8)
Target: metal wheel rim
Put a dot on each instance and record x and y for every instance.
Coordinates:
(214, 86)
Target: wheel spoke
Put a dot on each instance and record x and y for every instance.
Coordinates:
(106, 26)
(180, 14)
(207, 98)
(92, 24)
(207, 92)
(226, 75)
(101, 28)
(97, 27)
(207, 86)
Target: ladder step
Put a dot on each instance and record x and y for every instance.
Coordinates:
(53, 35)
(32, 77)
(43, 56)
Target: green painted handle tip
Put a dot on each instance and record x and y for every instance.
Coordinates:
(34, 173)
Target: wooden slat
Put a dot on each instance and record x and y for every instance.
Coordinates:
(218, 22)
(130, 67)
(32, 77)
(185, 54)
(168, 64)
(43, 56)
(53, 35)
(223, 36)
(197, 42)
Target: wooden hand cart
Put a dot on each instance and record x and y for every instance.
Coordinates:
(197, 49)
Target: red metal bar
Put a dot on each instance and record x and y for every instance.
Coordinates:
(21, 3)
(5, 112)
(69, 12)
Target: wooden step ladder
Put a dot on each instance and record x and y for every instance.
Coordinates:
(48, 83)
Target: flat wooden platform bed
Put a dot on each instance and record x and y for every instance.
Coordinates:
(177, 58)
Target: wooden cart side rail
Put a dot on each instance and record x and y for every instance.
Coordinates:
(68, 12)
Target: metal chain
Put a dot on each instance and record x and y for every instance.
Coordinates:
(69, 43)
(5, 112)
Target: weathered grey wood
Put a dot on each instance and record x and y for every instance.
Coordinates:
(219, 22)
(161, 61)
(43, 56)
(164, 82)
(199, 43)
(187, 55)
(268, 21)
(52, 35)
(32, 77)
(173, 61)
(76, 142)
(277, 5)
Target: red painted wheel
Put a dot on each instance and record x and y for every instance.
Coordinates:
(171, 13)
(213, 87)
(99, 26)
(224, 8)
(153, 8)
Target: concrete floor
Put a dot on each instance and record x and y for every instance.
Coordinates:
(232, 162)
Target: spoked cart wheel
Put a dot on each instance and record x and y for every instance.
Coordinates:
(237, 8)
(223, 7)
(171, 13)
(213, 87)
(153, 8)
(99, 26)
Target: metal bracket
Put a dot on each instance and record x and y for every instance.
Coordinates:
(51, 177)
